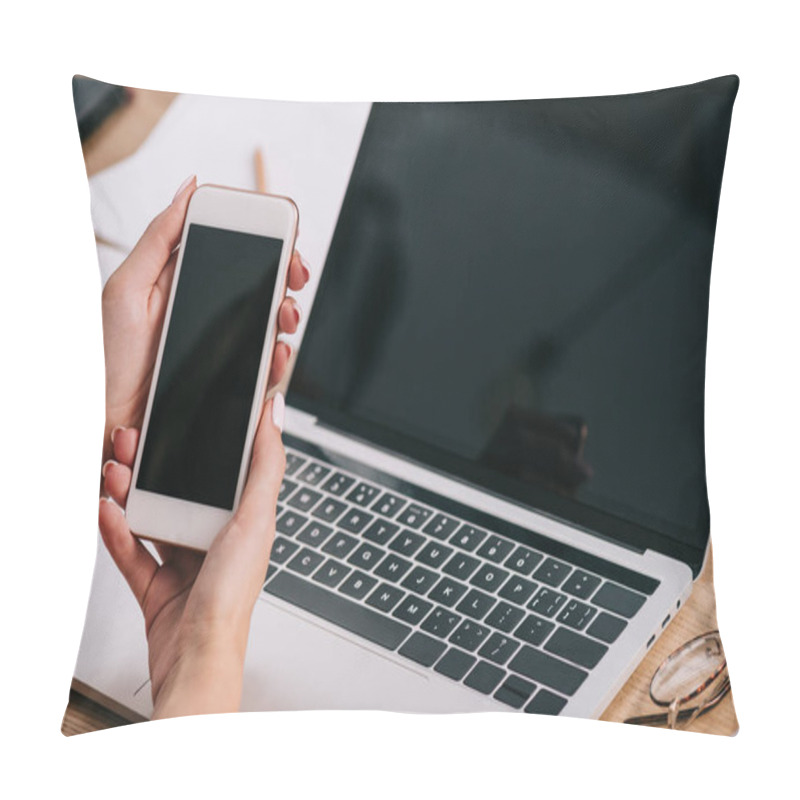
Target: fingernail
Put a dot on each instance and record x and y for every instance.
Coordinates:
(182, 188)
(115, 430)
(306, 268)
(107, 465)
(278, 409)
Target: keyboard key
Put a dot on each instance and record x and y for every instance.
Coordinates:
(470, 635)
(414, 516)
(420, 580)
(287, 487)
(331, 573)
(455, 664)
(381, 531)
(547, 602)
(468, 537)
(290, 522)
(313, 473)
(422, 649)
(515, 691)
(271, 570)
(552, 572)
(413, 610)
(581, 584)
(355, 520)
(576, 615)
(338, 484)
(282, 550)
(489, 577)
(476, 604)
(440, 622)
(447, 592)
(385, 597)
(543, 668)
(518, 590)
(498, 648)
(505, 617)
(534, 630)
(388, 505)
(607, 628)
(329, 510)
(392, 568)
(484, 677)
(441, 526)
(305, 562)
(304, 499)
(579, 649)
(367, 556)
(339, 545)
(364, 494)
(495, 549)
(407, 543)
(377, 628)
(523, 560)
(461, 566)
(293, 463)
(621, 601)
(314, 534)
(357, 585)
(545, 702)
(433, 554)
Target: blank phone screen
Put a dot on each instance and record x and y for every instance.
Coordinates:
(209, 368)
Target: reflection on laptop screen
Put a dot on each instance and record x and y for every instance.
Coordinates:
(507, 299)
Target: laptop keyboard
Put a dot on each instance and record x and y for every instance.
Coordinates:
(521, 623)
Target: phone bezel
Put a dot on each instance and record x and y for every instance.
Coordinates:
(162, 518)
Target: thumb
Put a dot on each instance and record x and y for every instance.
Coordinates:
(260, 496)
(151, 253)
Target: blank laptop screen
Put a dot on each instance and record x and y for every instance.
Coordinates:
(517, 293)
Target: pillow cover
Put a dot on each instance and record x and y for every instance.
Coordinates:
(494, 495)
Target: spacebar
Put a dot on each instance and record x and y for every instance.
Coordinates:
(352, 617)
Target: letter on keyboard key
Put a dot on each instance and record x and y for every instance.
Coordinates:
(553, 672)
(576, 648)
(375, 627)
(422, 649)
(621, 601)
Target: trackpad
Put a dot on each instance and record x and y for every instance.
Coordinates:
(295, 661)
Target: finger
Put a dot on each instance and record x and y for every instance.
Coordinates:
(299, 272)
(117, 481)
(124, 442)
(137, 566)
(164, 284)
(151, 253)
(280, 360)
(288, 315)
(260, 496)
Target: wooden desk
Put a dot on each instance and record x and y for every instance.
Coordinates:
(119, 137)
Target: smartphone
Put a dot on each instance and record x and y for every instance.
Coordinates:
(212, 367)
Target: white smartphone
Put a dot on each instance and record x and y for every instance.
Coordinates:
(213, 364)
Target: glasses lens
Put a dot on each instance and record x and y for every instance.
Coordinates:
(689, 670)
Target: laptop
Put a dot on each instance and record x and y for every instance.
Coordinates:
(495, 491)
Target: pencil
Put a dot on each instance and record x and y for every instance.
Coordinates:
(261, 171)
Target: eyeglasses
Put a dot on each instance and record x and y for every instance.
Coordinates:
(690, 682)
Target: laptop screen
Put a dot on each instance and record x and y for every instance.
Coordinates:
(519, 300)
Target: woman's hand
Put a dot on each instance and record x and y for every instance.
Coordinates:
(197, 608)
(134, 302)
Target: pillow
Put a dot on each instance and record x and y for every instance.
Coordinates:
(494, 494)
